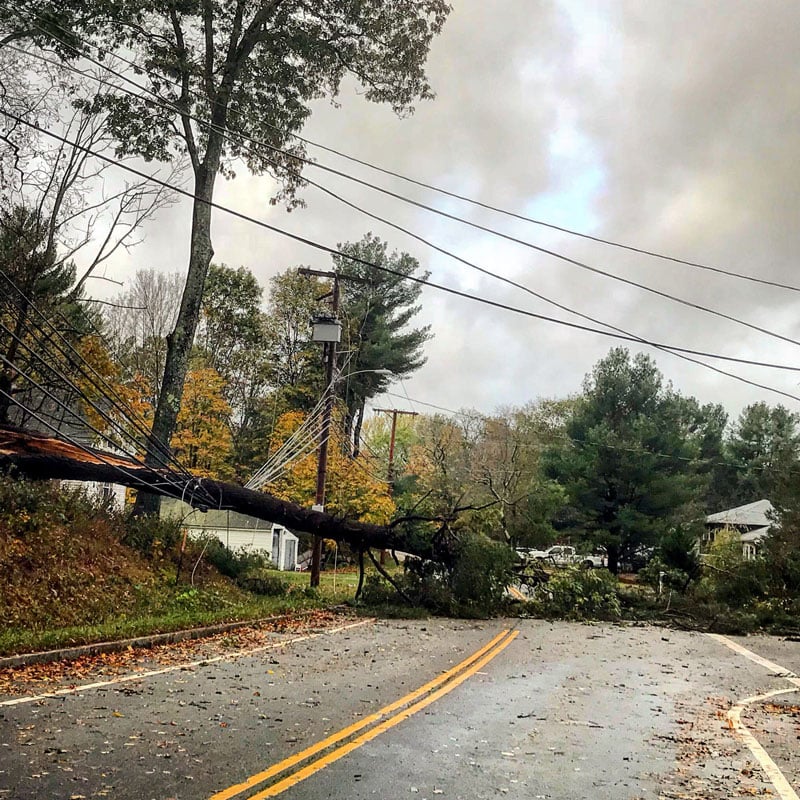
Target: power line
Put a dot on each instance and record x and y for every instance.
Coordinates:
(228, 133)
(415, 279)
(301, 442)
(92, 376)
(626, 335)
(388, 172)
(65, 406)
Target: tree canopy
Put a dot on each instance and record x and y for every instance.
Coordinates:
(628, 465)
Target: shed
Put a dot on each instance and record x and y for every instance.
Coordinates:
(237, 531)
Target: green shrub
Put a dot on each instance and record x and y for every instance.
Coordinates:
(377, 591)
(729, 578)
(264, 582)
(426, 583)
(471, 582)
(150, 535)
(32, 506)
(480, 575)
(778, 616)
(657, 573)
(579, 594)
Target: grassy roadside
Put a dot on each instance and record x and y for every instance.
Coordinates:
(166, 608)
(75, 572)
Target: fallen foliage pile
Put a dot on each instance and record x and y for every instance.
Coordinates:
(40, 678)
(62, 560)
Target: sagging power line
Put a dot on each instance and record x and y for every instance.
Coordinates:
(450, 290)
(245, 141)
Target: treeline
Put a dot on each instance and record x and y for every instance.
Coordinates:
(618, 465)
(629, 465)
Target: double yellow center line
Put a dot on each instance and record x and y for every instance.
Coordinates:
(376, 724)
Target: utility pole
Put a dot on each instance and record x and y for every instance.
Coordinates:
(395, 412)
(329, 358)
(390, 470)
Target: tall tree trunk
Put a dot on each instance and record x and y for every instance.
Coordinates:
(179, 342)
(613, 558)
(358, 422)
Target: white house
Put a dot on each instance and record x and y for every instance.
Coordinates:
(111, 493)
(752, 521)
(237, 531)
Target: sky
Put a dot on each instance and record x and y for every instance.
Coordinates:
(669, 125)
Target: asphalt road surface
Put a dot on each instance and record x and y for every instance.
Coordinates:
(417, 710)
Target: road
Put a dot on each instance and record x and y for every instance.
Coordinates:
(514, 708)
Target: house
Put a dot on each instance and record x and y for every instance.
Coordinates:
(112, 494)
(237, 531)
(752, 521)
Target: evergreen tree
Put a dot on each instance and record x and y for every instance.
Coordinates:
(35, 284)
(763, 448)
(628, 470)
(377, 309)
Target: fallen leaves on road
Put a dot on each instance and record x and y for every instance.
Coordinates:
(40, 678)
(778, 708)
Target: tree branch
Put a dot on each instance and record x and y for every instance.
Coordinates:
(183, 100)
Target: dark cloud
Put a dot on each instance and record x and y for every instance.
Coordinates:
(670, 125)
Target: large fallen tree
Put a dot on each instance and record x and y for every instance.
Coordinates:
(37, 457)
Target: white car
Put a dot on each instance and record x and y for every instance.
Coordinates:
(563, 555)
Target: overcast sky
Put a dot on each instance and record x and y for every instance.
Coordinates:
(665, 124)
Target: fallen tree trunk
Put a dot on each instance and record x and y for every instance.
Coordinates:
(39, 457)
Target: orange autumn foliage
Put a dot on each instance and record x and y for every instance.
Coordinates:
(353, 487)
(202, 441)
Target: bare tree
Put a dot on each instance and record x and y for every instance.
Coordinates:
(87, 213)
(138, 323)
(62, 215)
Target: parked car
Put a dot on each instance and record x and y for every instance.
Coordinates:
(563, 555)
(636, 560)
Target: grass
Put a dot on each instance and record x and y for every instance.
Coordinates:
(338, 586)
(165, 608)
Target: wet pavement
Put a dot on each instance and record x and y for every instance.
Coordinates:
(564, 711)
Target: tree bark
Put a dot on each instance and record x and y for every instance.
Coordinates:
(613, 559)
(40, 457)
(358, 422)
(179, 342)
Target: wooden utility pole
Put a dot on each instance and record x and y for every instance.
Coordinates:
(329, 359)
(394, 412)
(390, 470)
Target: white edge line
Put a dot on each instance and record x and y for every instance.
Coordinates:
(742, 650)
(773, 772)
(176, 667)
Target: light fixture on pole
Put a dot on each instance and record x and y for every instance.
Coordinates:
(326, 329)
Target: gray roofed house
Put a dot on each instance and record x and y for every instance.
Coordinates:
(752, 521)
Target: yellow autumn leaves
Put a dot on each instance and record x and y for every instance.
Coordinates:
(355, 487)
